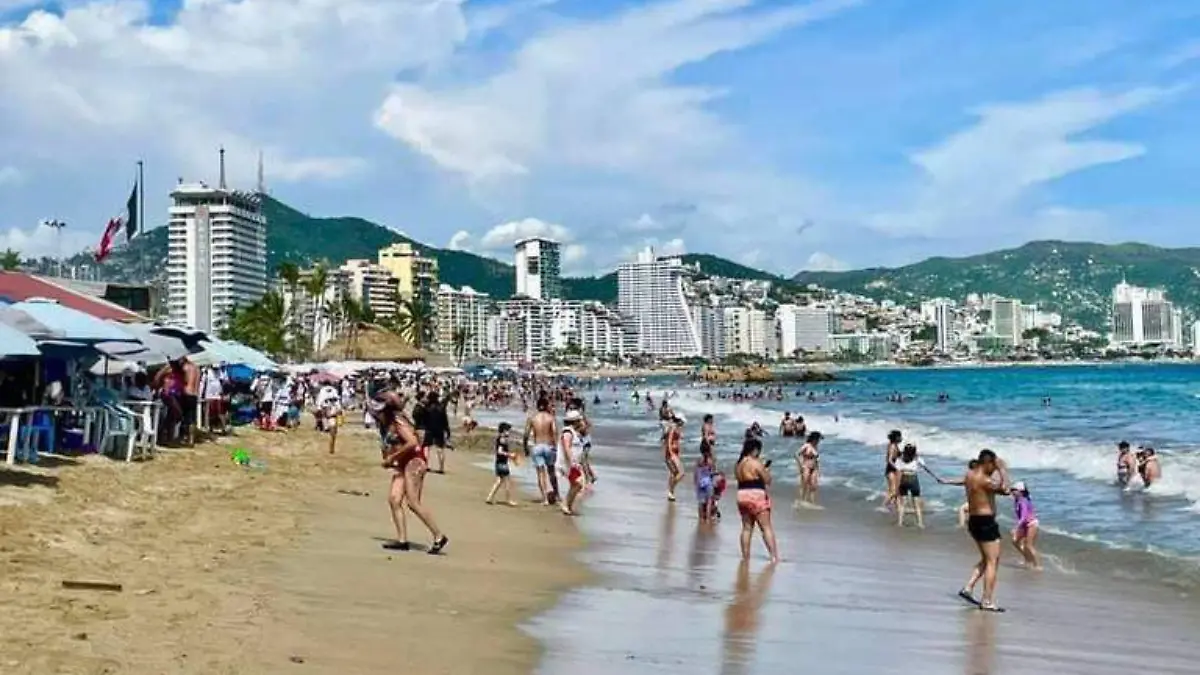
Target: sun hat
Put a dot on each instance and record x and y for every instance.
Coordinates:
(573, 416)
(680, 418)
(1019, 486)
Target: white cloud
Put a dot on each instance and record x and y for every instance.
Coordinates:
(593, 95)
(9, 175)
(979, 176)
(823, 262)
(1183, 54)
(100, 81)
(460, 241)
(36, 241)
(644, 223)
(672, 247)
(504, 235)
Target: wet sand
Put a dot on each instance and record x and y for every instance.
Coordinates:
(227, 569)
(854, 594)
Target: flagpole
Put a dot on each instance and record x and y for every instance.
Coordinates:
(141, 216)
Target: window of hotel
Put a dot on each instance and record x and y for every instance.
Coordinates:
(531, 265)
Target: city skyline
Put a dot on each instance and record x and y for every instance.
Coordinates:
(724, 126)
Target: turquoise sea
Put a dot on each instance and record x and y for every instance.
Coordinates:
(1065, 451)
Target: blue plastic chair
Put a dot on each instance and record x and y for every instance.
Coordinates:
(41, 426)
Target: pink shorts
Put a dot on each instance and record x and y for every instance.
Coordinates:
(575, 474)
(752, 502)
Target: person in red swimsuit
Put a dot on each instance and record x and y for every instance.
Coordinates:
(407, 461)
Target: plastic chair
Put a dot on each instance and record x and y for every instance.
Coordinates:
(40, 426)
(118, 428)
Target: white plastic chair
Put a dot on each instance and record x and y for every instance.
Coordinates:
(119, 431)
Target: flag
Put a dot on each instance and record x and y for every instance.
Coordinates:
(131, 213)
(106, 241)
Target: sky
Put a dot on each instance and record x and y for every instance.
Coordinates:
(827, 134)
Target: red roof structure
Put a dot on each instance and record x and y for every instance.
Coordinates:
(19, 286)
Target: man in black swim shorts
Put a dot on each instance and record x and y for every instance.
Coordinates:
(981, 524)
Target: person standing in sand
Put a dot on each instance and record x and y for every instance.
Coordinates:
(754, 502)
(570, 448)
(190, 400)
(502, 457)
(542, 428)
(981, 524)
(408, 463)
(671, 454)
(809, 461)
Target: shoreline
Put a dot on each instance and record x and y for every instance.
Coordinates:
(228, 569)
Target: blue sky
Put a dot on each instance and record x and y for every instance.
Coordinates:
(786, 135)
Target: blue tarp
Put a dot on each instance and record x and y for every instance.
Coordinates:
(15, 343)
(71, 325)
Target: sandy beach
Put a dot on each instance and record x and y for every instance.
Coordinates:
(229, 569)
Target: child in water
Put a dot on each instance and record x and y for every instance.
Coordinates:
(1025, 533)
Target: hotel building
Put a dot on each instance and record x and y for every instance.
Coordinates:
(650, 295)
(462, 309)
(216, 253)
(415, 275)
(538, 268)
(372, 285)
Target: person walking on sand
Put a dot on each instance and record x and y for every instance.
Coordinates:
(543, 430)
(502, 457)
(1024, 535)
(585, 439)
(571, 454)
(408, 464)
(809, 461)
(891, 478)
(908, 467)
(671, 454)
(981, 524)
(437, 429)
(753, 501)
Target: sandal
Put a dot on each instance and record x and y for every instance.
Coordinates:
(438, 545)
(397, 546)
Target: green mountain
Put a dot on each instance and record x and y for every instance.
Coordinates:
(1073, 278)
(294, 236)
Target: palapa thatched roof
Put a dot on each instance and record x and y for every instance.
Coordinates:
(376, 343)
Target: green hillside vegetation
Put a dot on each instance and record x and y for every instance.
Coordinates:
(296, 237)
(1073, 278)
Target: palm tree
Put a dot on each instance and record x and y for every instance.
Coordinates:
(260, 324)
(314, 288)
(460, 337)
(289, 274)
(414, 321)
(10, 260)
(352, 312)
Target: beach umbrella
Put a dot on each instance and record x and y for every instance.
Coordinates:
(28, 325)
(170, 342)
(15, 343)
(69, 325)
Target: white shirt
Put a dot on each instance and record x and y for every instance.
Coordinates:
(909, 467)
(210, 384)
(327, 396)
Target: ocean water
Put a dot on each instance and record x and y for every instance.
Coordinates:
(1064, 451)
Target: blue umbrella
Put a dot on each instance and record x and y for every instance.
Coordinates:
(70, 325)
(15, 343)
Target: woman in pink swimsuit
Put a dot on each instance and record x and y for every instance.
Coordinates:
(754, 503)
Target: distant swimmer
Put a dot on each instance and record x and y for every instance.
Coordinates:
(981, 524)
(753, 501)
(1127, 464)
(1148, 467)
(1024, 535)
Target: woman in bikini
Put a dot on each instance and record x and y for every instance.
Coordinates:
(403, 455)
(889, 468)
(809, 461)
(754, 503)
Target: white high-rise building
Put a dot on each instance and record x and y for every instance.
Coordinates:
(944, 320)
(805, 328)
(1196, 338)
(710, 323)
(1007, 320)
(217, 253)
(462, 310)
(538, 268)
(650, 293)
(745, 331)
(1144, 316)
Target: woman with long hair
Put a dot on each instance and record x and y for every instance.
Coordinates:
(753, 500)
(891, 478)
(908, 493)
(403, 455)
